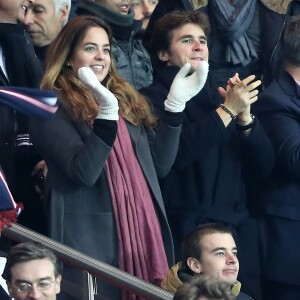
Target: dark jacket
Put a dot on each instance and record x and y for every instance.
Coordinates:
(79, 201)
(130, 57)
(279, 208)
(23, 69)
(210, 177)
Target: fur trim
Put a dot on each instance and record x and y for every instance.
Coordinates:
(198, 3)
(279, 6)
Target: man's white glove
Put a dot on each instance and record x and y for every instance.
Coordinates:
(108, 103)
(185, 87)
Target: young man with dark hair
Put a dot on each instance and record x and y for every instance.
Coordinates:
(208, 250)
(223, 149)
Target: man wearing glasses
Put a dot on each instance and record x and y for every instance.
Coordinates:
(31, 272)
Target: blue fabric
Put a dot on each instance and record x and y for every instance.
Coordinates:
(30, 101)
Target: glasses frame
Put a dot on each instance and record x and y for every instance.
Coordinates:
(36, 284)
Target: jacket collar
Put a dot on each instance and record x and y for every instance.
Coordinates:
(278, 6)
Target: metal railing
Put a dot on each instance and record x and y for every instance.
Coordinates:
(94, 267)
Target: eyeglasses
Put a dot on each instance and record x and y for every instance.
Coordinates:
(41, 285)
(138, 3)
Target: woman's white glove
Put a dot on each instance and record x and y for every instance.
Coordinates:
(108, 103)
(185, 87)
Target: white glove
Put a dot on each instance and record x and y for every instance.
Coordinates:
(108, 103)
(186, 87)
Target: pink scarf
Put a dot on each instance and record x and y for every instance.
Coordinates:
(140, 244)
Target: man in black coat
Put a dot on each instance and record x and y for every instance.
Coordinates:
(223, 149)
(19, 66)
(279, 221)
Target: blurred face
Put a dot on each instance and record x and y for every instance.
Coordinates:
(13, 11)
(44, 24)
(188, 44)
(121, 6)
(219, 257)
(36, 272)
(94, 52)
(143, 10)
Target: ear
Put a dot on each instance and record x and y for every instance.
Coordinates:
(194, 264)
(163, 55)
(57, 284)
(64, 13)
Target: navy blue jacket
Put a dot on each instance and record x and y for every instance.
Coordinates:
(279, 205)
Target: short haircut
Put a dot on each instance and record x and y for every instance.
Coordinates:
(191, 246)
(26, 252)
(202, 286)
(291, 42)
(164, 28)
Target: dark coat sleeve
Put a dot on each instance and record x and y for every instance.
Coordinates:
(58, 140)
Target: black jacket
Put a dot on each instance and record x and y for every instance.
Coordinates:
(23, 69)
(210, 177)
(131, 58)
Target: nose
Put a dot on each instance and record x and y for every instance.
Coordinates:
(99, 55)
(198, 46)
(147, 8)
(28, 17)
(35, 293)
(231, 259)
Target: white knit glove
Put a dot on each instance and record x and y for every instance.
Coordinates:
(185, 87)
(108, 103)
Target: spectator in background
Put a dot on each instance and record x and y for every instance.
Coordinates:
(278, 204)
(142, 11)
(204, 288)
(131, 59)
(48, 18)
(19, 66)
(208, 250)
(31, 272)
(223, 150)
(98, 165)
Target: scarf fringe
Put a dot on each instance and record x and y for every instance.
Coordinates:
(10, 216)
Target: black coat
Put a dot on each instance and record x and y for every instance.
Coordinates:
(279, 106)
(23, 69)
(210, 176)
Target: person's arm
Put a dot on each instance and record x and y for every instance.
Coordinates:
(59, 142)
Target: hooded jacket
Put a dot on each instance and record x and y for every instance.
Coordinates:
(130, 57)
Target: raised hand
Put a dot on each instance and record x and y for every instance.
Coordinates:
(185, 87)
(108, 103)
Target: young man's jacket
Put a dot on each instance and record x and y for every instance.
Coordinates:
(176, 277)
(214, 166)
(130, 57)
(265, 31)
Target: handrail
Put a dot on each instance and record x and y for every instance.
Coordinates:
(95, 267)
